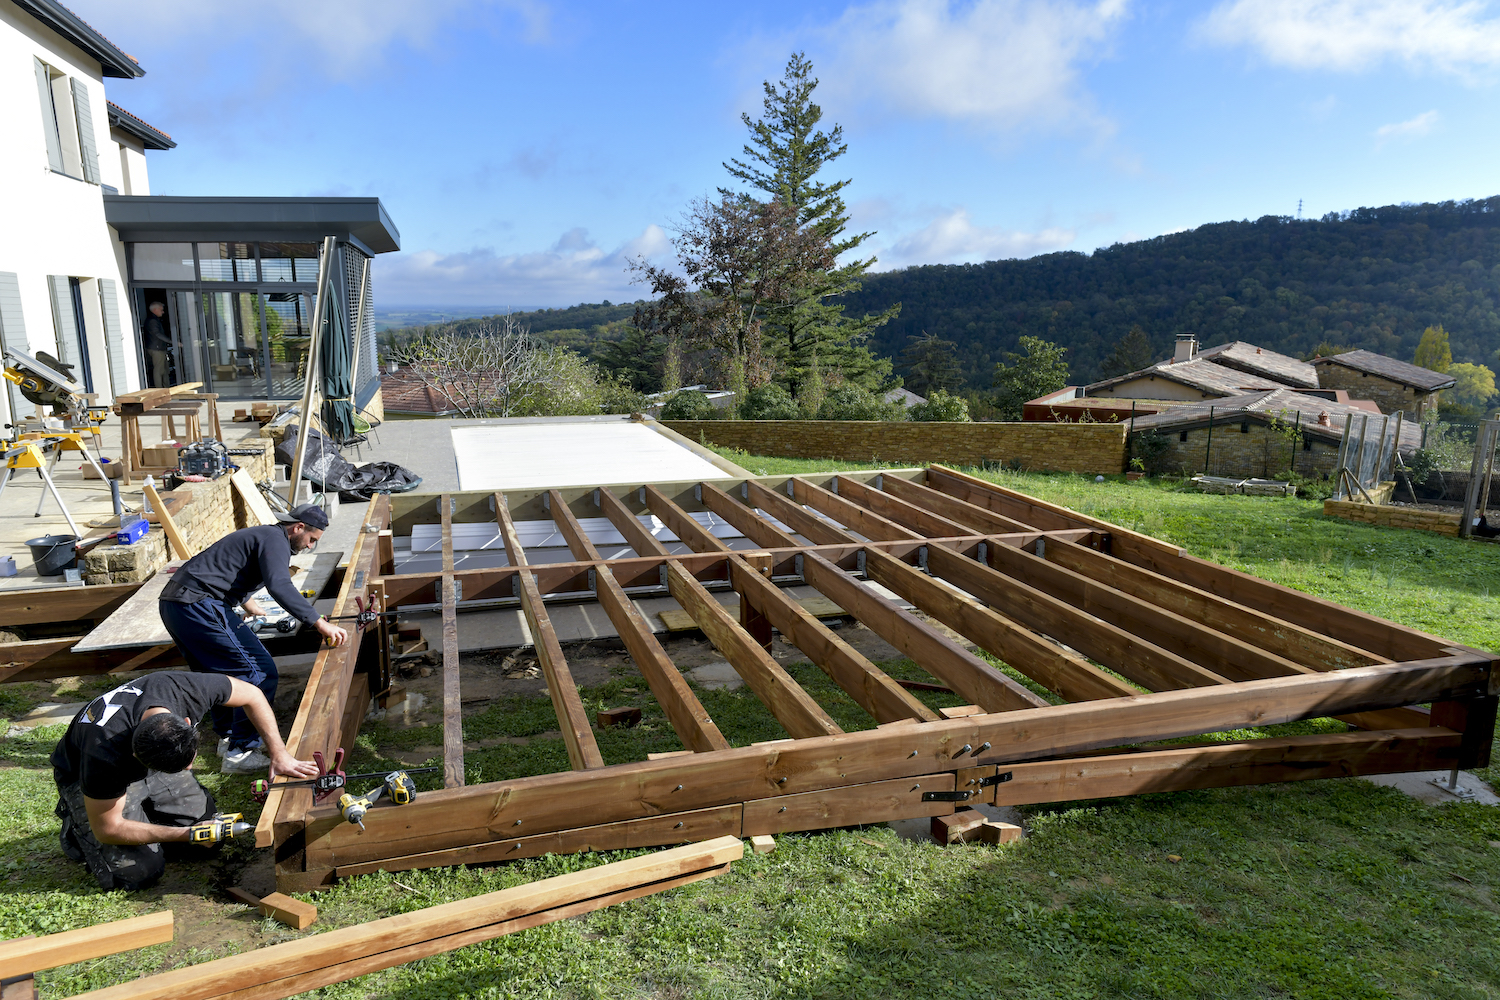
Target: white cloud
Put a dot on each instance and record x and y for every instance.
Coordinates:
(1410, 129)
(953, 238)
(572, 270)
(1455, 36)
(994, 63)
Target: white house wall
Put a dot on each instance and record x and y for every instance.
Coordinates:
(54, 224)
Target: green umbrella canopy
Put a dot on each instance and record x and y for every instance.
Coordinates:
(336, 364)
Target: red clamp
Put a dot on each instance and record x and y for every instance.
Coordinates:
(328, 780)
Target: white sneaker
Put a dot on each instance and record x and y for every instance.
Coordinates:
(245, 762)
(223, 746)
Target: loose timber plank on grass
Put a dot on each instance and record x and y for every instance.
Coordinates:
(793, 707)
(867, 684)
(636, 535)
(756, 528)
(572, 718)
(453, 709)
(293, 967)
(458, 817)
(937, 654)
(1067, 674)
(33, 954)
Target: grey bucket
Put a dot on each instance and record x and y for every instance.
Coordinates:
(53, 553)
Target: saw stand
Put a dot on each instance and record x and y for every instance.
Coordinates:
(29, 454)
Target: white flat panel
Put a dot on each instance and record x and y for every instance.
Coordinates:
(525, 455)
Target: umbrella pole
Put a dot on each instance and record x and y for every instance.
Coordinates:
(314, 349)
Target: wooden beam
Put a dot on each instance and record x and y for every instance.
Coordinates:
(457, 817)
(44, 659)
(689, 719)
(47, 605)
(866, 683)
(298, 966)
(1147, 665)
(164, 517)
(572, 532)
(793, 707)
(978, 519)
(935, 653)
(751, 525)
(689, 531)
(909, 515)
(572, 718)
(1056, 669)
(1211, 649)
(1024, 509)
(809, 526)
(636, 535)
(853, 805)
(453, 709)
(1273, 634)
(851, 515)
(33, 954)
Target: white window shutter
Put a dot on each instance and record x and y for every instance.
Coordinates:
(114, 336)
(64, 321)
(49, 116)
(86, 145)
(13, 334)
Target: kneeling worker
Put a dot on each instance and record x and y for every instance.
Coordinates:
(123, 784)
(197, 607)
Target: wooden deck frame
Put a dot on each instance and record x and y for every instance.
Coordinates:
(1206, 648)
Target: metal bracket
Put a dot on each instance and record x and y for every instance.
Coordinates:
(596, 499)
(922, 558)
(1106, 542)
(996, 779)
(963, 796)
(789, 491)
(458, 590)
(641, 495)
(1041, 547)
(593, 581)
(662, 574)
(547, 502)
(797, 566)
(745, 490)
(359, 580)
(492, 503)
(833, 486)
(880, 481)
(859, 562)
(698, 492)
(515, 585)
(984, 553)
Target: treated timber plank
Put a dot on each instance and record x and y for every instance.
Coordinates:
(1274, 634)
(321, 959)
(453, 709)
(867, 684)
(567, 703)
(33, 954)
(854, 805)
(458, 817)
(1293, 758)
(1211, 649)
(1140, 661)
(809, 526)
(793, 707)
(756, 528)
(1365, 631)
(690, 720)
(572, 532)
(935, 653)
(653, 831)
(1027, 510)
(848, 513)
(1067, 674)
(636, 535)
(43, 659)
(924, 522)
(688, 530)
(974, 517)
(45, 605)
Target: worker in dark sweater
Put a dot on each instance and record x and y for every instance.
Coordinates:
(197, 607)
(123, 785)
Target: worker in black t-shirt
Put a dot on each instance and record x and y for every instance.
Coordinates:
(197, 607)
(123, 784)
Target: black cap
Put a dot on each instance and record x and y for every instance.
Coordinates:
(309, 514)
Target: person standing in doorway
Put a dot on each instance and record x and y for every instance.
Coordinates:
(158, 344)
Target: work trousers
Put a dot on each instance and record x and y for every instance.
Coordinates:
(215, 640)
(160, 376)
(163, 799)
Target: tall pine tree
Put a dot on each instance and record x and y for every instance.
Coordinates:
(811, 340)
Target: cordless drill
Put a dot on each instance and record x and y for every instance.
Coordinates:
(224, 826)
(398, 787)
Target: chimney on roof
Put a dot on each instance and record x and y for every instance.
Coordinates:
(1187, 347)
(1259, 351)
(1324, 420)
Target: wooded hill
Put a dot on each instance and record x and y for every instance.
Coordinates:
(1372, 278)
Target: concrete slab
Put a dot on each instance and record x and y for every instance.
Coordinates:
(1431, 787)
(46, 714)
(717, 676)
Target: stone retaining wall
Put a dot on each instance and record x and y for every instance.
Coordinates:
(1038, 447)
(1394, 517)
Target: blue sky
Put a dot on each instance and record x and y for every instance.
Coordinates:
(527, 149)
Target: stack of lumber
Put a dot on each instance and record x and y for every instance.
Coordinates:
(1248, 487)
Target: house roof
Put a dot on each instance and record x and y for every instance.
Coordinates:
(903, 396)
(113, 61)
(402, 393)
(187, 219)
(1206, 376)
(153, 137)
(1284, 404)
(1259, 361)
(1424, 379)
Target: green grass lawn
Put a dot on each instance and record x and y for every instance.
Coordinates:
(1326, 889)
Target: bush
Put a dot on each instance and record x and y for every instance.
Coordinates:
(850, 402)
(1150, 448)
(769, 402)
(941, 406)
(690, 404)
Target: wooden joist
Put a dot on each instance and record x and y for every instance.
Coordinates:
(809, 526)
(848, 513)
(636, 535)
(909, 515)
(33, 954)
(757, 529)
(694, 535)
(453, 709)
(977, 519)
(572, 532)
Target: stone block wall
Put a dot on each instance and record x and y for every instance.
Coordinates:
(214, 512)
(1257, 452)
(1038, 447)
(1391, 397)
(1394, 517)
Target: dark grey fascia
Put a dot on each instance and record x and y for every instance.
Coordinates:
(169, 219)
(151, 137)
(112, 61)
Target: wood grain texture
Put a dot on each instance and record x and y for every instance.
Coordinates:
(179, 545)
(636, 535)
(809, 526)
(848, 513)
(33, 954)
(572, 532)
(977, 519)
(876, 802)
(919, 519)
(689, 531)
(756, 528)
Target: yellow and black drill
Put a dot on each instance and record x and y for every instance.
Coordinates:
(224, 826)
(398, 787)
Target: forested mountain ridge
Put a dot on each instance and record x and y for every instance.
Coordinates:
(1372, 278)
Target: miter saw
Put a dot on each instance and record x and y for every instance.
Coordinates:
(46, 381)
